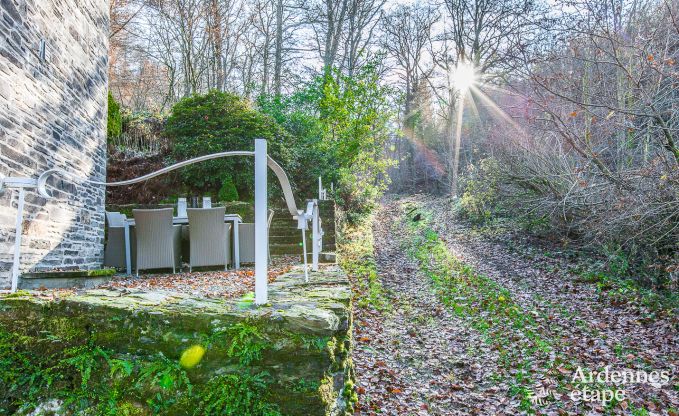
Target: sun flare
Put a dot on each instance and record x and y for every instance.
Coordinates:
(464, 76)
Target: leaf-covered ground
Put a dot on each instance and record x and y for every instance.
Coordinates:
(211, 284)
(219, 284)
(469, 324)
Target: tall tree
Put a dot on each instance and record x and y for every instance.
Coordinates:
(363, 17)
(327, 19)
(407, 31)
(278, 58)
(487, 34)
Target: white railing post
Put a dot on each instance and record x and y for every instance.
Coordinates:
(302, 225)
(261, 226)
(21, 184)
(315, 238)
(17, 239)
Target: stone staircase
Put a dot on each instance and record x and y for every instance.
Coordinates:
(285, 238)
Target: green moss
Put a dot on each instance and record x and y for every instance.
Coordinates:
(356, 256)
(17, 294)
(349, 392)
(131, 409)
(327, 391)
(64, 329)
(101, 272)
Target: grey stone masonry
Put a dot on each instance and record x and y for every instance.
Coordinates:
(53, 114)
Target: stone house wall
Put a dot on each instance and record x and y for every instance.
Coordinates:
(53, 114)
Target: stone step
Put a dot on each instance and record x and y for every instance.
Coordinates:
(85, 282)
(324, 257)
(282, 232)
(295, 239)
(295, 248)
(277, 249)
(283, 239)
(293, 224)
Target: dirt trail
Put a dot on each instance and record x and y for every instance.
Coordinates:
(420, 359)
(592, 330)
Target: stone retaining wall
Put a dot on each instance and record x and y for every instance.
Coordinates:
(301, 341)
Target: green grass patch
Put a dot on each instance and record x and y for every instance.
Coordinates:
(357, 258)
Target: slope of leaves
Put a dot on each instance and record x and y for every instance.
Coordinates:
(542, 328)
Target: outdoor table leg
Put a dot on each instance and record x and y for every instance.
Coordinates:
(236, 248)
(128, 255)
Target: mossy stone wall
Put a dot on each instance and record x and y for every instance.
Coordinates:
(180, 354)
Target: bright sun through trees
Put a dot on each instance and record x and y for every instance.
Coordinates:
(464, 76)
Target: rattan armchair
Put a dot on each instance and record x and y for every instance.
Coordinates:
(158, 241)
(114, 252)
(209, 238)
(246, 237)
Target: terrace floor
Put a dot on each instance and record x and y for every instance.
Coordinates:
(213, 284)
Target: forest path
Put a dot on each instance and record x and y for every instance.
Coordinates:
(422, 358)
(418, 358)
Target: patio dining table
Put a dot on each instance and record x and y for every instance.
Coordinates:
(234, 219)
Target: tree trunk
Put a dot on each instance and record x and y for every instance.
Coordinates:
(278, 59)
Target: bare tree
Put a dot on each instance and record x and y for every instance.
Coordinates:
(278, 57)
(487, 33)
(224, 26)
(327, 19)
(407, 31)
(363, 17)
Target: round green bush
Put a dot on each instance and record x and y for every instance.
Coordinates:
(219, 122)
(228, 191)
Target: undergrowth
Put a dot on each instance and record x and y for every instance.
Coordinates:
(357, 258)
(89, 380)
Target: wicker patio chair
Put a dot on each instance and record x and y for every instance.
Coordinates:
(114, 252)
(246, 240)
(158, 241)
(209, 237)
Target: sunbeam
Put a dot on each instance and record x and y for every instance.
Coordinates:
(496, 111)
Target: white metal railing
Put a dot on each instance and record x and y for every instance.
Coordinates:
(262, 161)
(312, 213)
(322, 192)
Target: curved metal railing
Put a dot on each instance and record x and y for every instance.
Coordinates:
(271, 163)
